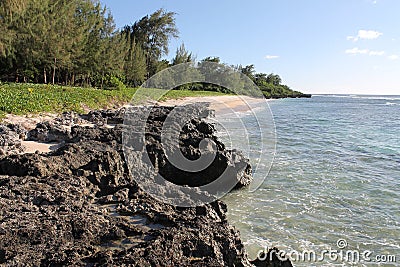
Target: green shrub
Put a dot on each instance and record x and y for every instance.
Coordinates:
(114, 83)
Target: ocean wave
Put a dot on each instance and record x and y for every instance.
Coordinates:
(369, 97)
(391, 104)
(340, 96)
(377, 97)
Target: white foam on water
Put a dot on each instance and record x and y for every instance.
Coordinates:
(391, 104)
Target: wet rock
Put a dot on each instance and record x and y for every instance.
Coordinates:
(205, 128)
(272, 258)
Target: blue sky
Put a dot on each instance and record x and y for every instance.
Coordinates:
(316, 46)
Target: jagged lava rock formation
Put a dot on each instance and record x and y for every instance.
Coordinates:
(80, 206)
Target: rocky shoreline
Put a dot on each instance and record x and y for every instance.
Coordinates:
(80, 206)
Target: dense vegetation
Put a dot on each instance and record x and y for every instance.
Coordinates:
(28, 98)
(76, 43)
(270, 84)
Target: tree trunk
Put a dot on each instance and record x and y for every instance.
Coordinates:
(45, 75)
(54, 70)
(102, 80)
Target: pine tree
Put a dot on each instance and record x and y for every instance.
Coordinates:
(135, 66)
(153, 32)
(182, 56)
(10, 10)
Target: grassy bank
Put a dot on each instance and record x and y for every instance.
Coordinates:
(21, 99)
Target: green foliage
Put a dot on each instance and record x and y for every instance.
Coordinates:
(21, 99)
(114, 83)
(135, 68)
(35, 98)
(10, 10)
(225, 79)
(153, 33)
(73, 42)
(176, 94)
(248, 71)
(270, 84)
(182, 56)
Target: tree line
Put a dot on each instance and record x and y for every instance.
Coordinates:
(76, 42)
(270, 84)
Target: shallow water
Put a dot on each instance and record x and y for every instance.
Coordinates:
(336, 175)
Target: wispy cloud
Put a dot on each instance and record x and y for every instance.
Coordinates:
(358, 51)
(365, 35)
(352, 38)
(393, 57)
(271, 57)
(376, 53)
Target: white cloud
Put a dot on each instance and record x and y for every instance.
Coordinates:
(271, 57)
(376, 53)
(370, 35)
(352, 38)
(365, 34)
(393, 57)
(356, 50)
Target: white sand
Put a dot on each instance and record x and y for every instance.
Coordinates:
(28, 121)
(228, 103)
(33, 146)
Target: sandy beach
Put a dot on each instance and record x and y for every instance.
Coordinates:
(225, 103)
(218, 103)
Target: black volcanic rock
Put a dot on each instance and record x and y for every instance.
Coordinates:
(10, 139)
(102, 117)
(49, 132)
(194, 130)
(80, 205)
(272, 258)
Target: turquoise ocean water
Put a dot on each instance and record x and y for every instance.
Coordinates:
(336, 176)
